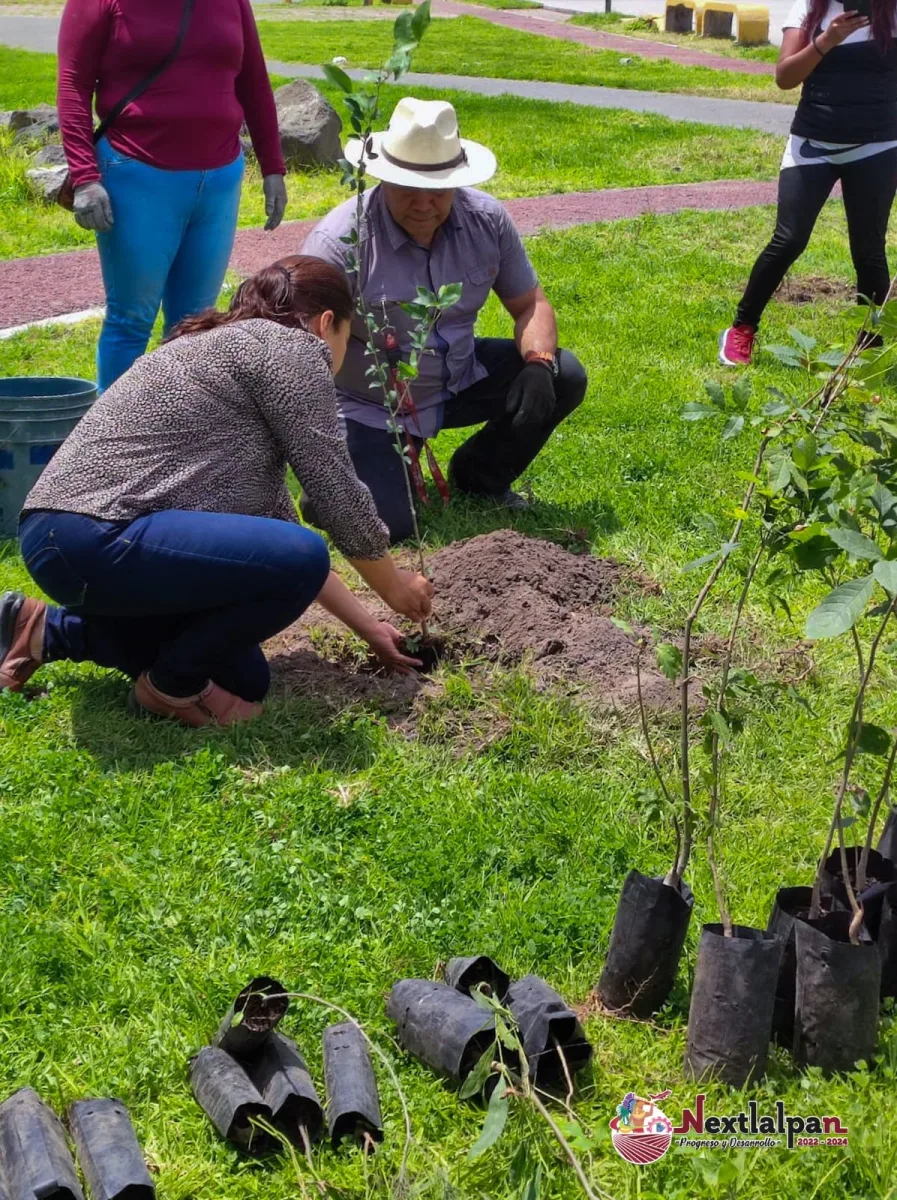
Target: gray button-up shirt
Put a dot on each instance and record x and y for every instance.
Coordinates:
(477, 247)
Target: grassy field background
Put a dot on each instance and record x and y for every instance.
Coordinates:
(472, 46)
(541, 147)
(146, 872)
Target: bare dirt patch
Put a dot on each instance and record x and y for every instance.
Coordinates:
(501, 597)
(814, 289)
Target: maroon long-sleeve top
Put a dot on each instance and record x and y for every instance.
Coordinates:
(190, 118)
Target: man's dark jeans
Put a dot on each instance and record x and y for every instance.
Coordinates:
(189, 595)
(489, 461)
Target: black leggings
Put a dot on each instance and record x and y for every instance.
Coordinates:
(868, 186)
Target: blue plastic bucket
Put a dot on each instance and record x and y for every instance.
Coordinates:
(37, 413)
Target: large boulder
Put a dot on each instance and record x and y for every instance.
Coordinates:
(34, 124)
(51, 156)
(47, 182)
(310, 126)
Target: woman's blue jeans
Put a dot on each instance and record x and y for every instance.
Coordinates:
(187, 596)
(169, 246)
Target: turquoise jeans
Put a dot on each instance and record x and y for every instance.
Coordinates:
(169, 247)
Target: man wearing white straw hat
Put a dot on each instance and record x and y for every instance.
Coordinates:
(426, 226)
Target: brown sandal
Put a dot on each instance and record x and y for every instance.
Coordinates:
(212, 706)
(22, 622)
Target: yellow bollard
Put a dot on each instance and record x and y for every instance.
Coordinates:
(718, 17)
(753, 24)
(679, 16)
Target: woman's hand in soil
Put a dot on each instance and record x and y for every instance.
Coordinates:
(386, 642)
(840, 29)
(411, 595)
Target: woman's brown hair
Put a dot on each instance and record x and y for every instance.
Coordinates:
(291, 291)
(882, 20)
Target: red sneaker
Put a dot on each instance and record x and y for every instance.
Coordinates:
(736, 345)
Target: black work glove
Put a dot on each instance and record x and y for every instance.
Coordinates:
(531, 397)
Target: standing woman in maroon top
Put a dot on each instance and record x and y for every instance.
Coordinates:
(161, 188)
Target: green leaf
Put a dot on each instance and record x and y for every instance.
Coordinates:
(785, 354)
(872, 739)
(695, 411)
(449, 294)
(732, 427)
(841, 609)
(804, 452)
(803, 340)
(403, 28)
(721, 727)
(779, 473)
(856, 544)
(476, 1080)
(338, 76)
(716, 394)
(623, 625)
(776, 408)
(420, 20)
(669, 660)
(741, 392)
(494, 1125)
(532, 1191)
(886, 574)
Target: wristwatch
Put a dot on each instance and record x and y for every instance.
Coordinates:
(543, 356)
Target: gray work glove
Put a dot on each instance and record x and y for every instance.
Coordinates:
(93, 208)
(275, 200)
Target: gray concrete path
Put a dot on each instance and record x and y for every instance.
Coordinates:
(30, 33)
(705, 110)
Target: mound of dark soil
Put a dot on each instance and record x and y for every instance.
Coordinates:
(527, 600)
(507, 598)
(811, 289)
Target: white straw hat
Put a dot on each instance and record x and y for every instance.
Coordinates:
(422, 149)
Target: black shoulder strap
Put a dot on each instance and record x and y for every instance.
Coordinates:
(150, 79)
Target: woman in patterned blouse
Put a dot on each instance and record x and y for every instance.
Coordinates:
(163, 527)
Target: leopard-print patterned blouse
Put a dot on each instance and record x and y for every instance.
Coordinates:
(209, 423)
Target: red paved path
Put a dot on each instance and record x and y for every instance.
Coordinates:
(32, 289)
(529, 22)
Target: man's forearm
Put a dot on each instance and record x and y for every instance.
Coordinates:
(536, 329)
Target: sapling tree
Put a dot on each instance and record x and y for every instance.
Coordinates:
(785, 462)
(831, 513)
(393, 378)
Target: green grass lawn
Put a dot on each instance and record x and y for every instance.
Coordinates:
(471, 46)
(541, 147)
(615, 22)
(146, 872)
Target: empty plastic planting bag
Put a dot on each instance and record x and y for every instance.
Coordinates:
(229, 1099)
(35, 1163)
(353, 1104)
(443, 1028)
(281, 1076)
(110, 1156)
(554, 1042)
(252, 1017)
(464, 974)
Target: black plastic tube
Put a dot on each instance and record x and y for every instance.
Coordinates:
(108, 1151)
(645, 945)
(252, 1017)
(791, 905)
(35, 1161)
(229, 1098)
(732, 1002)
(353, 1103)
(837, 994)
(444, 1029)
(553, 1039)
(880, 869)
(281, 1076)
(464, 974)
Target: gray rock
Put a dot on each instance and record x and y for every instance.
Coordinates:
(47, 182)
(41, 129)
(21, 118)
(51, 156)
(310, 126)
